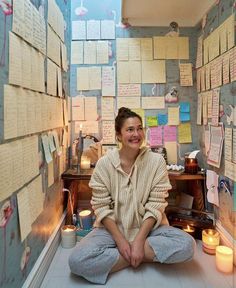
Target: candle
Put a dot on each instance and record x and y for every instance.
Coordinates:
(191, 165)
(224, 259)
(85, 162)
(68, 236)
(85, 218)
(190, 230)
(210, 240)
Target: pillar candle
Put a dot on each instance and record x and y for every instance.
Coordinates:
(85, 218)
(85, 162)
(68, 236)
(224, 259)
(210, 240)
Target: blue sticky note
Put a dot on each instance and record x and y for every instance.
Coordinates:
(184, 107)
(162, 119)
(184, 117)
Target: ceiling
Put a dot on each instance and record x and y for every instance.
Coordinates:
(187, 13)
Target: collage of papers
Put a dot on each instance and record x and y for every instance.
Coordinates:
(217, 67)
(138, 61)
(34, 102)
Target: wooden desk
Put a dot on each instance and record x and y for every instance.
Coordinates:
(77, 183)
(81, 193)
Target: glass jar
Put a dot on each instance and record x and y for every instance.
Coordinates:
(191, 165)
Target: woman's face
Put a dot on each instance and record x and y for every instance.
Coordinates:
(131, 134)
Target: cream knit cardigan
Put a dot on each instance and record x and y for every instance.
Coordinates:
(129, 199)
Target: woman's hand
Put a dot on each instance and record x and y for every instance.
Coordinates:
(124, 248)
(137, 252)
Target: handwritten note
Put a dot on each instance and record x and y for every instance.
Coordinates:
(78, 30)
(151, 121)
(173, 115)
(184, 133)
(155, 136)
(108, 81)
(108, 108)
(108, 132)
(162, 119)
(186, 77)
(125, 90)
(153, 102)
(170, 133)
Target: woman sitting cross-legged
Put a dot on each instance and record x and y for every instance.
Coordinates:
(130, 186)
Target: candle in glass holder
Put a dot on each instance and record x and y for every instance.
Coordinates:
(68, 236)
(85, 162)
(210, 240)
(85, 219)
(191, 165)
(190, 230)
(224, 259)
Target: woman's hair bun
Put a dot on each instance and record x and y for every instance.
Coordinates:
(123, 111)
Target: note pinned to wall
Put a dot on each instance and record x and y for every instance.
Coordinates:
(46, 148)
(170, 134)
(153, 71)
(155, 136)
(212, 187)
(78, 30)
(171, 149)
(77, 52)
(89, 127)
(108, 108)
(93, 30)
(229, 144)
(102, 52)
(216, 145)
(129, 102)
(24, 213)
(90, 108)
(122, 49)
(162, 118)
(78, 108)
(151, 121)
(125, 90)
(153, 102)
(107, 29)
(90, 52)
(146, 49)
(184, 133)
(173, 115)
(108, 81)
(186, 76)
(108, 132)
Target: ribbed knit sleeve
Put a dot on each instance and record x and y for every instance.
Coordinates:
(156, 204)
(101, 197)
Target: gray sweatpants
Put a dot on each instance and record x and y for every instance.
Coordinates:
(96, 254)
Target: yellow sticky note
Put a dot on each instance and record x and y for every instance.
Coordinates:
(184, 133)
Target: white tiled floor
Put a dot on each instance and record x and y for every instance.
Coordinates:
(199, 273)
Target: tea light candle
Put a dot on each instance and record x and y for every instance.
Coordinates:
(68, 236)
(85, 219)
(224, 259)
(85, 162)
(190, 230)
(210, 240)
